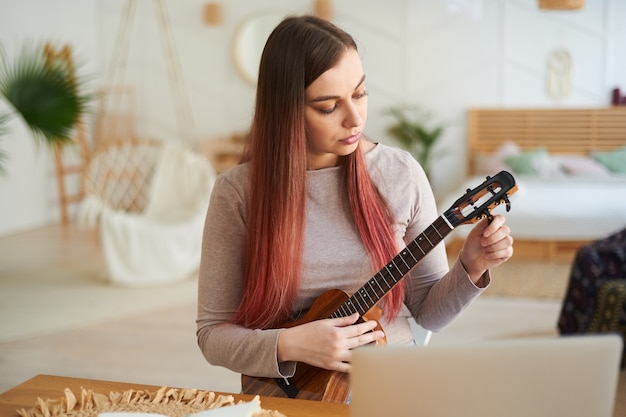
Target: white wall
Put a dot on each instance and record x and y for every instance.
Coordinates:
(28, 194)
(414, 51)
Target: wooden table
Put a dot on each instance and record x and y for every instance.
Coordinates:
(51, 387)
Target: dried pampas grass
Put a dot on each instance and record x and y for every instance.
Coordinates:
(166, 401)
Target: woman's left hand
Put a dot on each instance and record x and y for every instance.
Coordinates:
(487, 246)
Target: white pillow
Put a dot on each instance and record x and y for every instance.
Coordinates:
(493, 163)
(549, 167)
(583, 166)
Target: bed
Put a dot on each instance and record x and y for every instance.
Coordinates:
(570, 168)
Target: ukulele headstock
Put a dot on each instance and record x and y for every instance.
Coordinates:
(477, 203)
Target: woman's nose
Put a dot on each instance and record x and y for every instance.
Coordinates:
(353, 116)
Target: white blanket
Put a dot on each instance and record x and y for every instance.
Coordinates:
(557, 209)
(162, 244)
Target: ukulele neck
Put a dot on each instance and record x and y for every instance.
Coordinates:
(392, 273)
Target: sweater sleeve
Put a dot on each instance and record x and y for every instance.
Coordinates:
(220, 282)
(436, 293)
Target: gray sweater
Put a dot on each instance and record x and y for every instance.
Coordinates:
(334, 257)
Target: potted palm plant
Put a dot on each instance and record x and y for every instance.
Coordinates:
(415, 131)
(44, 92)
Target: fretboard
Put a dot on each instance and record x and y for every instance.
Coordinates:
(380, 284)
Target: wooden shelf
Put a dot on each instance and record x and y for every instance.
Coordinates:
(222, 153)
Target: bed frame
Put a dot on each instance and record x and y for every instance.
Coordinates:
(560, 131)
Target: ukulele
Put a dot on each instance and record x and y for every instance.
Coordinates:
(312, 383)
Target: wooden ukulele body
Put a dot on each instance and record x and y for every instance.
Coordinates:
(310, 382)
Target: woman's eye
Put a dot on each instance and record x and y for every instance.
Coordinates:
(328, 111)
(356, 96)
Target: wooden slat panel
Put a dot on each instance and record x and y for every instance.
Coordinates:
(559, 131)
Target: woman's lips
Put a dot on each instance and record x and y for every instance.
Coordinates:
(352, 139)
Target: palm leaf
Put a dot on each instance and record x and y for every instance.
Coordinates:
(46, 96)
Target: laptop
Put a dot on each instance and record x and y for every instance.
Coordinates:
(567, 376)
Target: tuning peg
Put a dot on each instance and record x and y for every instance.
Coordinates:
(507, 202)
(486, 214)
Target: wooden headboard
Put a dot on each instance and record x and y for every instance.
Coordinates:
(560, 131)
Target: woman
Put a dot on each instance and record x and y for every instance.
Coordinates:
(316, 206)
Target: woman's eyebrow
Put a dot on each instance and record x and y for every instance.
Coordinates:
(325, 98)
(360, 82)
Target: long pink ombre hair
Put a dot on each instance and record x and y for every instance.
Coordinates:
(297, 52)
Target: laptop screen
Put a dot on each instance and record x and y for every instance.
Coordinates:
(568, 376)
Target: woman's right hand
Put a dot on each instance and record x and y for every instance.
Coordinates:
(327, 343)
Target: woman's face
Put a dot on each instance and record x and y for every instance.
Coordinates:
(335, 112)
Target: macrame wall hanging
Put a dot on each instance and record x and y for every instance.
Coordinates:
(559, 74)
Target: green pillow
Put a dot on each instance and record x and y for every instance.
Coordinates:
(615, 161)
(524, 162)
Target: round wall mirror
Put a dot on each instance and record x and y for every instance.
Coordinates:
(249, 42)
